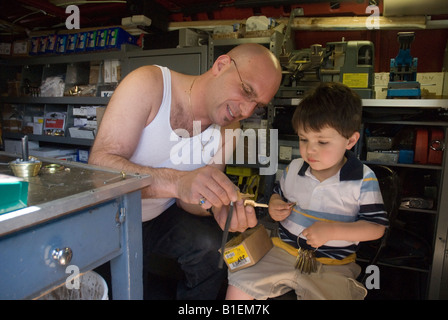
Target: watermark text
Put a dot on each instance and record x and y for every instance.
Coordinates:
(73, 20)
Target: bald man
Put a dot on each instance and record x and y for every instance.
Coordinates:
(172, 126)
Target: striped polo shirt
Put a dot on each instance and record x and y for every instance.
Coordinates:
(350, 195)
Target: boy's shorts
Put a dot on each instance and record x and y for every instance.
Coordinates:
(275, 275)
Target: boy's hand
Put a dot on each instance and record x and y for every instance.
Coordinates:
(321, 232)
(279, 209)
(318, 233)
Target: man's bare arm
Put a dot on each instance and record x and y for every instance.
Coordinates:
(128, 113)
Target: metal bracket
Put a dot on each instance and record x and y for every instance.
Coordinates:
(120, 218)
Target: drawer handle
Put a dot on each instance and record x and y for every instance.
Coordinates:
(62, 256)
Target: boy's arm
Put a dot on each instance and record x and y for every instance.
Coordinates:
(320, 232)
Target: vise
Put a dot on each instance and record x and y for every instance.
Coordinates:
(403, 71)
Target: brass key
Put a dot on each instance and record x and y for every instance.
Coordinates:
(255, 204)
(299, 259)
(306, 260)
(244, 195)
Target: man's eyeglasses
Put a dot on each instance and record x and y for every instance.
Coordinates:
(249, 93)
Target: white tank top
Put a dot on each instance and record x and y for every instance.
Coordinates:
(161, 147)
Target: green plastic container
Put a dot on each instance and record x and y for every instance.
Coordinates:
(13, 193)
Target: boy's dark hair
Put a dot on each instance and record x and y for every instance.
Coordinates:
(331, 104)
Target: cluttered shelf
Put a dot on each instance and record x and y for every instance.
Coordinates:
(57, 100)
(50, 139)
(406, 103)
(382, 103)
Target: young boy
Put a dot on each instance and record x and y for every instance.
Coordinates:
(328, 202)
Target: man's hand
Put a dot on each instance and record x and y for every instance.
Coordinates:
(207, 183)
(243, 216)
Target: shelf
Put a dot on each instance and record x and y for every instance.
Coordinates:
(411, 123)
(52, 139)
(433, 211)
(70, 58)
(404, 165)
(383, 103)
(406, 103)
(56, 100)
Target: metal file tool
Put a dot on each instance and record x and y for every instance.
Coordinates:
(225, 235)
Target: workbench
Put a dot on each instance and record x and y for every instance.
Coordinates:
(77, 215)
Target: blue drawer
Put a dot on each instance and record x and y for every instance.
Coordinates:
(26, 265)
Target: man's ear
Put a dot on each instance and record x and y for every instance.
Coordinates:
(221, 62)
(352, 140)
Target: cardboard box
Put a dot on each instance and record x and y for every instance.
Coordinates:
(383, 156)
(117, 36)
(54, 123)
(83, 155)
(38, 125)
(15, 146)
(34, 46)
(81, 42)
(61, 44)
(247, 248)
(49, 152)
(91, 40)
(101, 39)
(82, 133)
(72, 40)
(112, 71)
(51, 44)
(43, 42)
(20, 47)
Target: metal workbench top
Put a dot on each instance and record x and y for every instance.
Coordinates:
(74, 186)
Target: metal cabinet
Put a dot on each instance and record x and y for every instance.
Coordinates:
(76, 210)
(191, 60)
(422, 228)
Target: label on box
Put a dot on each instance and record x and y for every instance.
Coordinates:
(237, 257)
(54, 123)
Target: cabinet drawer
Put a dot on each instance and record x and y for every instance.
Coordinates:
(26, 263)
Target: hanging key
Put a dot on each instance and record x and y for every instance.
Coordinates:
(306, 266)
(299, 259)
(314, 263)
(306, 261)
